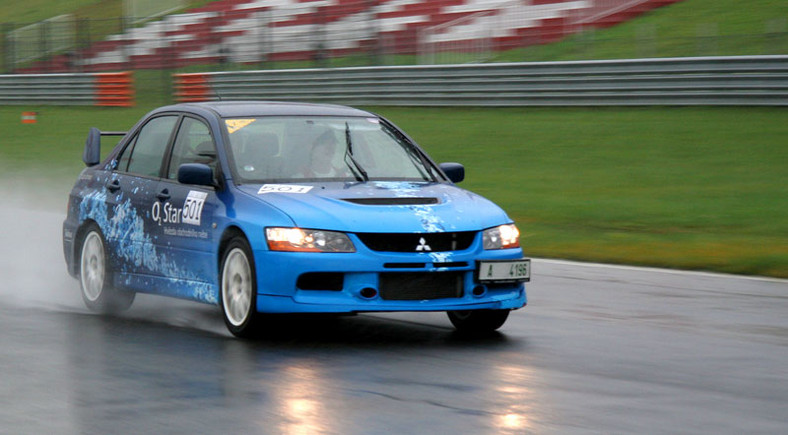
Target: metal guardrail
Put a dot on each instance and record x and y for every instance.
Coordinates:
(738, 80)
(47, 89)
(99, 89)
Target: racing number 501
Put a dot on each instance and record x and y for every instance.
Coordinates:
(192, 207)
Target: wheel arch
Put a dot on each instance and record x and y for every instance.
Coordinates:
(76, 248)
(229, 233)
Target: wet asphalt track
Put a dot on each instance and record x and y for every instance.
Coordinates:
(598, 350)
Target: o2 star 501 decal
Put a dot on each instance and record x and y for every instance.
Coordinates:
(190, 213)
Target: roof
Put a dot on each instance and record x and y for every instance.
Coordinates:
(234, 109)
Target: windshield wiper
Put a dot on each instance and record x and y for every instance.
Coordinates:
(349, 154)
(419, 159)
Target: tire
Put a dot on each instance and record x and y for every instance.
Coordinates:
(475, 321)
(95, 276)
(238, 289)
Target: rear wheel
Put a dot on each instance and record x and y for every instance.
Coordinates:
(239, 288)
(94, 276)
(478, 320)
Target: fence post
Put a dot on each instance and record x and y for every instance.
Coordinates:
(8, 48)
(320, 56)
(372, 32)
(263, 39)
(646, 37)
(42, 44)
(775, 35)
(82, 43)
(707, 36)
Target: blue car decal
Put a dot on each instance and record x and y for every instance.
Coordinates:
(125, 234)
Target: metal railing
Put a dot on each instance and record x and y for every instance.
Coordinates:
(740, 80)
(97, 89)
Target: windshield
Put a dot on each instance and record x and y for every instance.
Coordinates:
(298, 148)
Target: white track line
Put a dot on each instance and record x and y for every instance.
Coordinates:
(659, 270)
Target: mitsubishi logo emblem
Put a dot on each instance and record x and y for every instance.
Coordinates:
(423, 246)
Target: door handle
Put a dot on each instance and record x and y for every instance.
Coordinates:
(163, 195)
(113, 185)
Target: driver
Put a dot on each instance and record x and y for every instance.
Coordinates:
(321, 158)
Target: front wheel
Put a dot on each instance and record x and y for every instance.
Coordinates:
(478, 320)
(94, 276)
(239, 288)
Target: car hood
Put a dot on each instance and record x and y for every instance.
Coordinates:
(373, 207)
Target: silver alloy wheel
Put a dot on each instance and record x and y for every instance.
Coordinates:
(237, 287)
(92, 266)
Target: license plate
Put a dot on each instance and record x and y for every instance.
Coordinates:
(504, 270)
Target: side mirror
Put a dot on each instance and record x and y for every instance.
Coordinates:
(195, 173)
(455, 171)
(92, 154)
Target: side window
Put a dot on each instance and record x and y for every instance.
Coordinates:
(193, 144)
(125, 156)
(150, 146)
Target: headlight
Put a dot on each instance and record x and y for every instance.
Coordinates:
(301, 240)
(502, 237)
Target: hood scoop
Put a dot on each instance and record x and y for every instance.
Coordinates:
(393, 201)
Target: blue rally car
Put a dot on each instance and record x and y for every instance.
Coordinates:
(269, 207)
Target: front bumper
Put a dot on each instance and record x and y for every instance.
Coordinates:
(361, 272)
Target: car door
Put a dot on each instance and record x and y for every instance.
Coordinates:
(185, 213)
(131, 232)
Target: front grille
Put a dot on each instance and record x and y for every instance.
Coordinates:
(414, 286)
(417, 242)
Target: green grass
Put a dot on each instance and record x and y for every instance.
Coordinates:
(692, 188)
(31, 11)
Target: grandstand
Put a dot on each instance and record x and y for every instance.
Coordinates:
(249, 31)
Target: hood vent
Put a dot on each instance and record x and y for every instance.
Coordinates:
(393, 201)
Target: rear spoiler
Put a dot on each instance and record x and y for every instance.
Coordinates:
(92, 154)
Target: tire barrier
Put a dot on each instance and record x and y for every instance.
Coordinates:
(191, 87)
(115, 89)
(94, 89)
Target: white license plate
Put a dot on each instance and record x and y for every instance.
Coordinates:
(504, 270)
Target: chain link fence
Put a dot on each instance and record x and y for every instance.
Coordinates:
(258, 36)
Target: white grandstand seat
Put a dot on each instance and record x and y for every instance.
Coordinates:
(291, 26)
